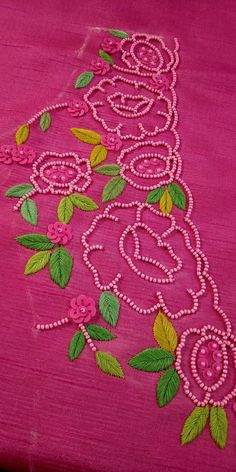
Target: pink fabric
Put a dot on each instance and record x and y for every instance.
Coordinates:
(56, 415)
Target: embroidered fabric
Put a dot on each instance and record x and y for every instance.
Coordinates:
(143, 250)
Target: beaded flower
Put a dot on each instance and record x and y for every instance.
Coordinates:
(77, 108)
(60, 233)
(99, 67)
(82, 309)
(112, 142)
(110, 45)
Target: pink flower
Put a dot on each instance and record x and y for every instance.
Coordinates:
(99, 67)
(6, 153)
(82, 309)
(160, 82)
(59, 233)
(110, 45)
(146, 55)
(77, 108)
(211, 353)
(132, 112)
(152, 263)
(61, 174)
(148, 164)
(112, 142)
(23, 154)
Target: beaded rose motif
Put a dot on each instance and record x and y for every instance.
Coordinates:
(133, 104)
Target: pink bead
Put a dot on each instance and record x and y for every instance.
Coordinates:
(203, 351)
(217, 356)
(217, 367)
(202, 363)
(213, 346)
(208, 374)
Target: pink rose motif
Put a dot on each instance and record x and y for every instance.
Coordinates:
(112, 142)
(110, 45)
(59, 233)
(134, 250)
(146, 54)
(99, 67)
(77, 108)
(132, 110)
(23, 154)
(82, 309)
(160, 82)
(206, 362)
(61, 174)
(148, 165)
(6, 153)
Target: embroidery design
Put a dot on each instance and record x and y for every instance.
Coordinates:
(153, 248)
(82, 311)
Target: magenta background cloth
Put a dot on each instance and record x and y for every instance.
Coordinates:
(61, 416)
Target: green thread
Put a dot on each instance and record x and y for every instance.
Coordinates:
(152, 360)
(109, 307)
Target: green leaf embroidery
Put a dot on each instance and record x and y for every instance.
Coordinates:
(76, 345)
(194, 424)
(177, 195)
(164, 333)
(61, 266)
(109, 364)
(37, 262)
(152, 360)
(84, 79)
(106, 57)
(155, 195)
(113, 188)
(86, 135)
(118, 33)
(39, 242)
(98, 333)
(98, 155)
(22, 134)
(167, 387)
(219, 426)
(65, 210)
(18, 190)
(45, 121)
(109, 169)
(83, 203)
(109, 307)
(29, 211)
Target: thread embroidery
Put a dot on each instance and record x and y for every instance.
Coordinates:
(134, 142)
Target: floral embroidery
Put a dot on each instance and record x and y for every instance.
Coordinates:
(151, 233)
(134, 100)
(112, 142)
(82, 310)
(50, 252)
(133, 104)
(110, 45)
(22, 154)
(99, 67)
(77, 108)
(59, 233)
(159, 81)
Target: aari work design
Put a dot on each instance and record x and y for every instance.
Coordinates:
(142, 228)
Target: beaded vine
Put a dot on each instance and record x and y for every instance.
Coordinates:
(134, 102)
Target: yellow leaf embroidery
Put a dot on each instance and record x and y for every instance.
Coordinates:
(164, 333)
(86, 135)
(22, 134)
(166, 203)
(98, 155)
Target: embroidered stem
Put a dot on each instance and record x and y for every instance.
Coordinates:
(87, 337)
(55, 324)
(46, 109)
(23, 198)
